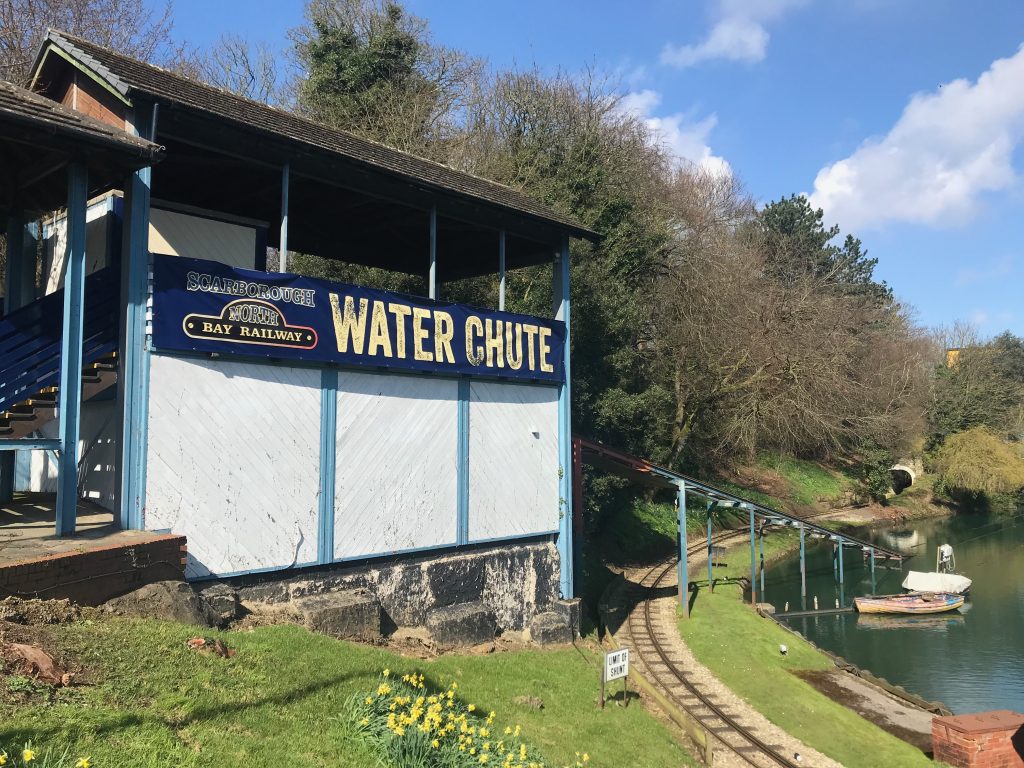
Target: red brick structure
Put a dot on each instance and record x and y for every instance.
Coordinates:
(986, 740)
(94, 575)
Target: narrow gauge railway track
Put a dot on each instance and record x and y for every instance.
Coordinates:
(649, 641)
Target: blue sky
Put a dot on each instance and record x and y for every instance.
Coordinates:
(903, 119)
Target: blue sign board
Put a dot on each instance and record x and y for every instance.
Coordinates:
(205, 306)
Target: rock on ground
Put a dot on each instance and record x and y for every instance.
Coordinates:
(170, 600)
(351, 615)
(462, 624)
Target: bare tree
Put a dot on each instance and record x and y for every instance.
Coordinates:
(247, 69)
(127, 26)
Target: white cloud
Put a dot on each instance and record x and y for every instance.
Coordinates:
(685, 138)
(948, 147)
(739, 33)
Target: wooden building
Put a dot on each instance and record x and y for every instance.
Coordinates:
(278, 421)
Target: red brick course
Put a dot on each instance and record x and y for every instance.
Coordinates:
(985, 740)
(93, 576)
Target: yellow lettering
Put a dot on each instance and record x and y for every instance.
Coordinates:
(444, 330)
(531, 331)
(493, 343)
(419, 333)
(207, 327)
(545, 350)
(349, 323)
(400, 311)
(514, 345)
(474, 353)
(379, 336)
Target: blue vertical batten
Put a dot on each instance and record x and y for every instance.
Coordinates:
(282, 248)
(565, 546)
(501, 270)
(803, 570)
(711, 578)
(684, 566)
(462, 519)
(328, 461)
(71, 352)
(133, 383)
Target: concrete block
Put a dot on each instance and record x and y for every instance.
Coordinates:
(354, 615)
(223, 600)
(459, 580)
(169, 600)
(550, 628)
(571, 612)
(462, 624)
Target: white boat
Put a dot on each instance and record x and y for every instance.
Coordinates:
(919, 581)
(942, 579)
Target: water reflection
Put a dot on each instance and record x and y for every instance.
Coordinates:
(970, 660)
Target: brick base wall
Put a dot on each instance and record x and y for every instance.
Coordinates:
(93, 576)
(986, 740)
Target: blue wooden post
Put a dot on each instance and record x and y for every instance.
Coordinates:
(684, 566)
(501, 270)
(753, 583)
(133, 381)
(803, 570)
(282, 250)
(711, 579)
(328, 462)
(71, 352)
(462, 467)
(13, 299)
(871, 554)
(432, 271)
(565, 533)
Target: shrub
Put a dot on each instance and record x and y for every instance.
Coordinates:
(978, 462)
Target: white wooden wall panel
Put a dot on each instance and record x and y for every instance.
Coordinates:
(396, 482)
(513, 460)
(180, 234)
(36, 471)
(234, 456)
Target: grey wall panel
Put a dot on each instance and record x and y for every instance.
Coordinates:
(396, 475)
(234, 452)
(513, 460)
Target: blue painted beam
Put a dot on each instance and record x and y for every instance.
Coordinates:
(684, 565)
(803, 569)
(761, 564)
(12, 301)
(282, 249)
(462, 466)
(871, 553)
(133, 381)
(560, 294)
(29, 444)
(328, 462)
(711, 578)
(70, 392)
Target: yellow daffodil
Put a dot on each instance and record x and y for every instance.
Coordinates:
(471, 708)
(83, 762)
(3, 758)
(435, 743)
(27, 755)
(387, 673)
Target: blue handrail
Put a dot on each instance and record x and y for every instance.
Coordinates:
(30, 337)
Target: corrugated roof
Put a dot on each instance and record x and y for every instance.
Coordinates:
(125, 75)
(23, 106)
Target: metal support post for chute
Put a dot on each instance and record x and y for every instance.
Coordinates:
(753, 562)
(684, 569)
(842, 597)
(762, 562)
(711, 579)
(871, 553)
(803, 571)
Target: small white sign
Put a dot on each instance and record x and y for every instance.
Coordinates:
(616, 664)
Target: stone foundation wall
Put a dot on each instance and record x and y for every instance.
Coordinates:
(516, 581)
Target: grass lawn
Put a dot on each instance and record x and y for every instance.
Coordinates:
(742, 649)
(809, 481)
(279, 700)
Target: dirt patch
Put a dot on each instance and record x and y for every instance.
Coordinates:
(14, 610)
(901, 719)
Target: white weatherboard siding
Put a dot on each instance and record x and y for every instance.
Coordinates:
(234, 457)
(513, 460)
(396, 482)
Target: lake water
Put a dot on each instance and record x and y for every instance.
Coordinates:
(972, 660)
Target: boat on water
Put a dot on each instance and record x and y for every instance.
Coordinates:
(943, 579)
(912, 603)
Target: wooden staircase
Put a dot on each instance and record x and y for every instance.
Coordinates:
(24, 418)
